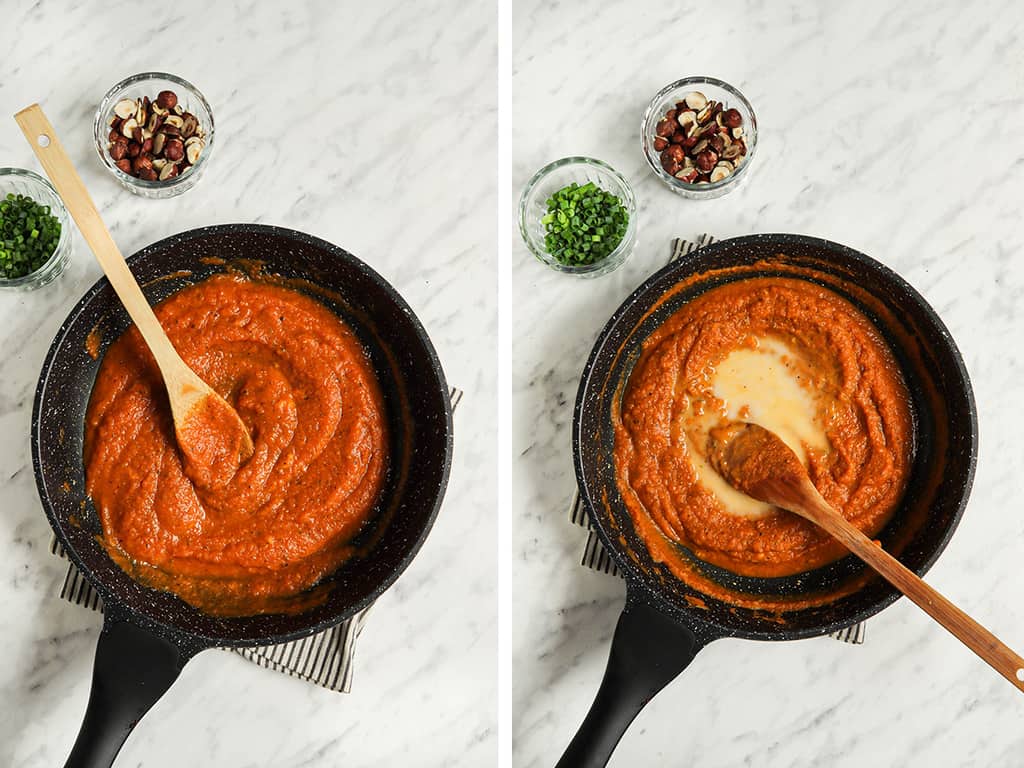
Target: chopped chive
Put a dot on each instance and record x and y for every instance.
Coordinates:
(583, 224)
(29, 234)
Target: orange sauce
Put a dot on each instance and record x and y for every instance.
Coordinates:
(848, 417)
(262, 534)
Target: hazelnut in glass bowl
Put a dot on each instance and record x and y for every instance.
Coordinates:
(154, 132)
(699, 137)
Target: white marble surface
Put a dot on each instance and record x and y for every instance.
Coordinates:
(371, 125)
(897, 129)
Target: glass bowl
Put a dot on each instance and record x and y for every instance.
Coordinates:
(561, 173)
(22, 182)
(719, 91)
(150, 84)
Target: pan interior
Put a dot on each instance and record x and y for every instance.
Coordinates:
(415, 393)
(944, 425)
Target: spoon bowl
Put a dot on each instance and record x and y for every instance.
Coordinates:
(209, 431)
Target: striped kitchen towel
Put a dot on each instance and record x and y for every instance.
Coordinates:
(324, 659)
(596, 557)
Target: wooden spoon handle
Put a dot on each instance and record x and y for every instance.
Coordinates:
(69, 186)
(986, 645)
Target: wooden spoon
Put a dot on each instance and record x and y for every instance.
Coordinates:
(757, 462)
(210, 433)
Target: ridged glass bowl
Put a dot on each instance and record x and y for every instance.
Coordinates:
(555, 176)
(715, 89)
(150, 84)
(22, 182)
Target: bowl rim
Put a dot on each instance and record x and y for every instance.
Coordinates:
(652, 157)
(628, 239)
(65, 228)
(100, 129)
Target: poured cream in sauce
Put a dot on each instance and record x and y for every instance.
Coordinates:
(796, 358)
(767, 384)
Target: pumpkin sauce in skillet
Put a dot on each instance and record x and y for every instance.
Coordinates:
(795, 358)
(232, 540)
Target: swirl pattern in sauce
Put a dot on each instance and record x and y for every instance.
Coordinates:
(252, 540)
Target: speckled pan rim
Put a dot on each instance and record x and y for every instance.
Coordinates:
(197, 641)
(699, 621)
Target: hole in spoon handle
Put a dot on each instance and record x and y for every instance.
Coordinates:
(43, 140)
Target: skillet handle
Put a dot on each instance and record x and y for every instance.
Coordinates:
(132, 671)
(648, 651)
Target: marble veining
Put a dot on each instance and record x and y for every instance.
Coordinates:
(348, 121)
(862, 118)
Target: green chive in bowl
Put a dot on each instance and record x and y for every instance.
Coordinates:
(43, 268)
(573, 255)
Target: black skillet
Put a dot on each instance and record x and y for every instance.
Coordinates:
(659, 631)
(148, 636)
